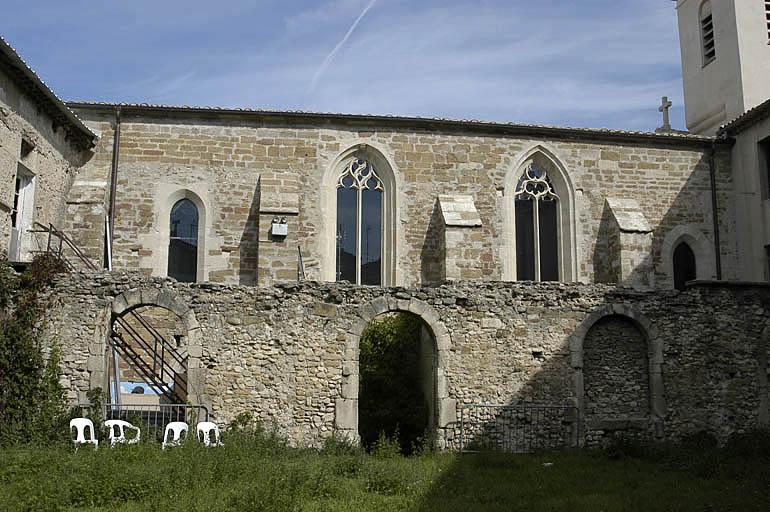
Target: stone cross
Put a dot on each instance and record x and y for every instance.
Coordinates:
(664, 108)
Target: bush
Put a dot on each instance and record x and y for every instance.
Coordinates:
(31, 398)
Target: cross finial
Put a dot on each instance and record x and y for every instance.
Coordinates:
(665, 105)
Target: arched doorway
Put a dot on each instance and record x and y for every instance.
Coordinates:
(149, 357)
(397, 382)
(444, 409)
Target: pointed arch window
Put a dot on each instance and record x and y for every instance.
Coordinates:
(183, 242)
(537, 240)
(359, 237)
(684, 265)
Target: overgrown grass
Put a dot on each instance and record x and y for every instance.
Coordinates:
(257, 471)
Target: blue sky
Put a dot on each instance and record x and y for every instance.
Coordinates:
(586, 63)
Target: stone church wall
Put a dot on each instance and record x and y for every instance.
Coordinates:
(247, 170)
(652, 364)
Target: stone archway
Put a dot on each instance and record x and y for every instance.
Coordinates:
(168, 299)
(346, 407)
(657, 405)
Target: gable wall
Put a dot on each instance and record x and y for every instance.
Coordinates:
(54, 161)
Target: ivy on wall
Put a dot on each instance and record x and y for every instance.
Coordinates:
(32, 402)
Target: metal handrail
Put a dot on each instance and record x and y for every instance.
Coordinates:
(153, 416)
(149, 371)
(538, 412)
(63, 239)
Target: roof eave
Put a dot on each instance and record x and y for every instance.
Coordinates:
(481, 126)
(84, 137)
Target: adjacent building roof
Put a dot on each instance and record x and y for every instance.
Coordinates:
(745, 120)
(18, 70)
(422, 122)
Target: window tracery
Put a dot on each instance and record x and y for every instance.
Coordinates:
(360, 196)
(536, 211)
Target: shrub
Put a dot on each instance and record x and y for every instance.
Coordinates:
(31, 398)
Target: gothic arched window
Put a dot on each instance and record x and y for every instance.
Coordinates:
(537, 240)
(183, 242)
(684, 265)
(360, 199)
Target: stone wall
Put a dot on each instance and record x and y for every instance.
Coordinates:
(53, 161)
(289, 354)
(246, 169)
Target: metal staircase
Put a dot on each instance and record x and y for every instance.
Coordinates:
(156, 359)
(133, 337)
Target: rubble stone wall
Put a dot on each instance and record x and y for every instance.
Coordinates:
(53, 161)
(660, 364)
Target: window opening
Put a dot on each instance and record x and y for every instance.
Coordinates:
(25, 149)
(767, 19)
(767, 263)
(183, 242)
(684, 265)
(764, 167)
(537, 247)
(707, 33)
(359, 224)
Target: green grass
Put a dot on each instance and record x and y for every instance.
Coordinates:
(259, 472)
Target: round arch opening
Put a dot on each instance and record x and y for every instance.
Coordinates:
(397, 396)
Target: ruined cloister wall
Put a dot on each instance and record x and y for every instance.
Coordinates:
(289, 354)
(248, 169)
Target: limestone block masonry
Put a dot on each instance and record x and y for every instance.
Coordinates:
(244, 169)
(654, 364)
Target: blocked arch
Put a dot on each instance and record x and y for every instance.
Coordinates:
(701, 248)
(564, 188)
(654, 358)
(388, 173)
(168, 299)
(346, 407)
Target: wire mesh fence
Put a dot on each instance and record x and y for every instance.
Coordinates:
(517, 428)
(151, 418)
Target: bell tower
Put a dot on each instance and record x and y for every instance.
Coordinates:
(725, 47)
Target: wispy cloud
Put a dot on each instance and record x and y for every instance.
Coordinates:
(336, 49)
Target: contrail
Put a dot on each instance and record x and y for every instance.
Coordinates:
(333, 53)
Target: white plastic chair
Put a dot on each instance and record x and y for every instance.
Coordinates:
(204, 430)
(80, 425)
(120, 425)
(175, 428)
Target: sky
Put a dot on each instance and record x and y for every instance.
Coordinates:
(586, 63)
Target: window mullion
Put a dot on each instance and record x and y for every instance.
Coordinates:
(358, 235)
(536, 217)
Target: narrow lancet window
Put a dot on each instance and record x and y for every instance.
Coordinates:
(359, 224)
(537, 220)
(183, 242)
(684, 265)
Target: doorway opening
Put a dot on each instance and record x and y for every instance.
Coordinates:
(397, 386)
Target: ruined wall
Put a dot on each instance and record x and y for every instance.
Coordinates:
(247, 169)
(53, 161)
(289, 354)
